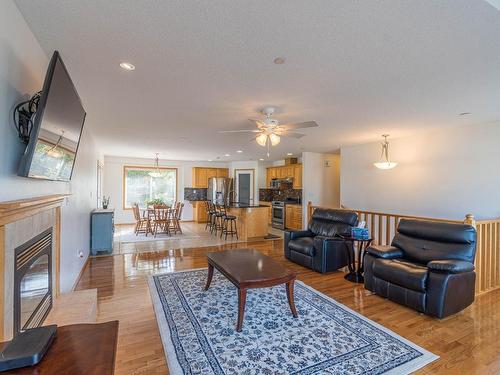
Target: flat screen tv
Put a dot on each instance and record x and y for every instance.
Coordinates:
(57, 127)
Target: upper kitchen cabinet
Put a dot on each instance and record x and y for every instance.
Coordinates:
(223, 172)
(202, 174)
(200, 179)
(286, 171)
(297, 176)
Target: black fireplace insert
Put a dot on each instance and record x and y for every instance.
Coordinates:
(33, 282)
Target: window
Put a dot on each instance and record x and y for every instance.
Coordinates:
(139, 187)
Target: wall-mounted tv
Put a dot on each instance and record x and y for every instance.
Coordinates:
(57, 127)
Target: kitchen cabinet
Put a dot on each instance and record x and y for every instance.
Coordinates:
(223, 172)
(201, 175)
(287, 171)
(211, 172)
(200, 180)
(297, 176)
(293, 216)
(269, 213)
(199, 212)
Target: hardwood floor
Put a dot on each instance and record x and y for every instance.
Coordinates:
(468, 343)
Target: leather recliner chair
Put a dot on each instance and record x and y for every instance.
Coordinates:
(428, 267)
(320, 247)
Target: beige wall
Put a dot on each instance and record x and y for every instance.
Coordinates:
(320, 180)
(22, 69)
(444, 174)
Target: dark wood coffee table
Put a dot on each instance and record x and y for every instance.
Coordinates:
(78, 349)
(248, 268)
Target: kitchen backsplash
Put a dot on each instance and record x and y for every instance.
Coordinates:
(195, 194)
(268, 195)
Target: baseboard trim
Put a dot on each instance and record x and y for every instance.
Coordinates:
(81, 273)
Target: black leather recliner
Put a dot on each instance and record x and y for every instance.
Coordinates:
(428, 267)
(320, 247)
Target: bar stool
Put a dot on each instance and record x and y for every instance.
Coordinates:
(218, 220)
(229, 226)
(210, 210)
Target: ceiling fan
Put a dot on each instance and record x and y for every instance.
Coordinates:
(270, 131)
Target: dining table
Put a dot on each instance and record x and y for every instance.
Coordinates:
(149, 214)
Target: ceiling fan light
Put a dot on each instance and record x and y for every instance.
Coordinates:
(261, 139)
(274, 138)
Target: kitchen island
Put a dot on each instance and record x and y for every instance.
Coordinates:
(251, 220)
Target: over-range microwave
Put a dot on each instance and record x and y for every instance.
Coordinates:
(275, 183)
(281, 183)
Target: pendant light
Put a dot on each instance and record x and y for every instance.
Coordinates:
(385, 162)
(53, 151)
(156, 173)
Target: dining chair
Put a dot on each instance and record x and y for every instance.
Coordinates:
(177, 217)
(162, 219)
(141, 223)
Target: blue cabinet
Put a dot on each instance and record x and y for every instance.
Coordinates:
(101, 231)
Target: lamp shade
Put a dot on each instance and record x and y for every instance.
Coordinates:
(54, 153)
(261, 139)
(385, 165)
(274, 138)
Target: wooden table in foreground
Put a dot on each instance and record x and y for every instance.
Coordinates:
(78, 349)
(248, 268)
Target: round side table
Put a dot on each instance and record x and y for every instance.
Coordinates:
(355, 275)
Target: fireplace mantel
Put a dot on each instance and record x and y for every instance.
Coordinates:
(15, 210)
(17, 218)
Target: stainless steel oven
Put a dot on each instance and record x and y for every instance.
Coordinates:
(278, 214)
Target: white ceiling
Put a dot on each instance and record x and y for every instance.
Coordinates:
(358, 68)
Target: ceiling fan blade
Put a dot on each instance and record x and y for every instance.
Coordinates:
(299, 125)
(291, 135)
(240, 131)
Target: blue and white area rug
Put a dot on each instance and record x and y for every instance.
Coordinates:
(199, 335)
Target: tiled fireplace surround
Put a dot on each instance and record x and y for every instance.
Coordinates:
(20, 221)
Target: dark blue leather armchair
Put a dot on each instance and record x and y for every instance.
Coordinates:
(428, 267)
(320, 247)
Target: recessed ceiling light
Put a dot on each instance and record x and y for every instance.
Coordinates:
(227, 155)
(127, 66)
(289, 154)
(464, 114)
(239, 151)
(261, 159)
(209, 160)
(279, 60)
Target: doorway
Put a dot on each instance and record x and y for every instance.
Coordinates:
(244, 179)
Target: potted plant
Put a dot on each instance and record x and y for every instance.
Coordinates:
(155, 202)
(105, 202)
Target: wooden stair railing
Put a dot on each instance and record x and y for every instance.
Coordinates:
(383, 227)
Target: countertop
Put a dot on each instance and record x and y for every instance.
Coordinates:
(238, 205)
(286, 203)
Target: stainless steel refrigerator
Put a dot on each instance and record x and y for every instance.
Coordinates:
(220, 190)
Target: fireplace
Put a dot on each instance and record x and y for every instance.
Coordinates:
(33, 282)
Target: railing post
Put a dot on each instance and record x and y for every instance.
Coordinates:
(469, 219)
(309, 211)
